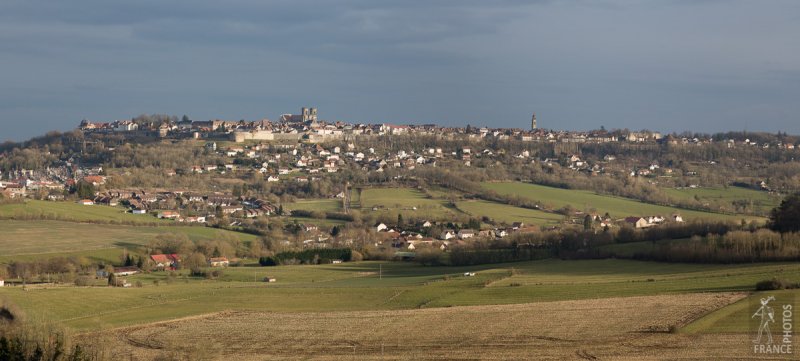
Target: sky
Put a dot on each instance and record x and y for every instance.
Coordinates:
(669, 65)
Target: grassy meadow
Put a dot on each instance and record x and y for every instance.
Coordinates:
(368, 286)
(762, 201)
(611, 328)
(508, 214)
(617, 207)
(322, 205)
(406, 201)
(74, 212)
(57, 237)
(737, 316)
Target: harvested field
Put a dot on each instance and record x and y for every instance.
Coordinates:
(610, 328)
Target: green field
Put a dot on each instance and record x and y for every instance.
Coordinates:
(762, 201)
(404, 200)
(74, 212)
(55, 238)
(381, 286)
(508, 214)
(583, 200)
(323, 205)
(737, 317)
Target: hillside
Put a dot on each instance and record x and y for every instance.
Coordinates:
(584, 200)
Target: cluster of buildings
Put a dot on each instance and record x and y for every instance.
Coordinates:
(306, 126)
(178, 204)
(650, 221)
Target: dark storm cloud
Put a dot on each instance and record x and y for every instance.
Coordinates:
(671, 65)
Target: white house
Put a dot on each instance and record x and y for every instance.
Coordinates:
(168, 215)
(466, 233)
(381, 227)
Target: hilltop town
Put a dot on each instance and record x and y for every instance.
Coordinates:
(307, 127)
(259, 171)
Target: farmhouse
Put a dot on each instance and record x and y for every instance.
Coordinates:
(466, 233)
(168, 215)
(637, 222)
(95, 180)
(166, 261)
(231, 209)
(218, 262)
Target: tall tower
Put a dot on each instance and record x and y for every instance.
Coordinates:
(533, 121)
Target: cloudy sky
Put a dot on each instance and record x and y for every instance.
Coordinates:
(669, 65)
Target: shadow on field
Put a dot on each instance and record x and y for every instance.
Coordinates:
(128, 245)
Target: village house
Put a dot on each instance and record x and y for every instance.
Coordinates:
(195, 219)
(95, 180)
(500, 232)
(165, 261)
(168, 215)
(231, 209)
(193, 197)
(637, 222)
(218, 262)
(466, 233)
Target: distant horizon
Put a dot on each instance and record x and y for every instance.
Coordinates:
(541, 126)
(677, 65)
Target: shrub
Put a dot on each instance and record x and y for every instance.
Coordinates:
(309, 256)
(83, 281)
(267, 261)
(775, 284)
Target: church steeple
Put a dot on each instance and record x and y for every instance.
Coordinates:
(533, 121)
